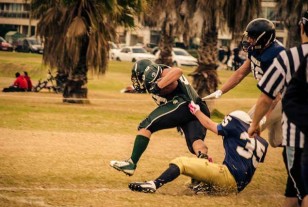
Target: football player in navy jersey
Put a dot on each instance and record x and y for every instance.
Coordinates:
(242, 156)
(262, 47)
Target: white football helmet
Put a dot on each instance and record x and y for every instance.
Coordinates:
(241, 115)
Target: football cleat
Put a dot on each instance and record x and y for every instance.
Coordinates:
(202, 188)
(127, 166)
(146, 187)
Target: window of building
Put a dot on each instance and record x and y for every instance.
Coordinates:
(270, 13)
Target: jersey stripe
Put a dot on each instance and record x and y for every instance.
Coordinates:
(276, 79)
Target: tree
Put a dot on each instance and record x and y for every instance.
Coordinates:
(76, 35)
(170, 18)
(232, 14)
(192, 18)
(290, 13)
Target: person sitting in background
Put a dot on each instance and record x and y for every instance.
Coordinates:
(28, 79)
(19, 85)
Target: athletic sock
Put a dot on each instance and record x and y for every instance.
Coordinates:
(169, 175)
(141, 143)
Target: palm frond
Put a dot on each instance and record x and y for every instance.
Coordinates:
(77, 28)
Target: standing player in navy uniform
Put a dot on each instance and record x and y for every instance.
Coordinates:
(262, 47)
(172, 93)
(242, 156)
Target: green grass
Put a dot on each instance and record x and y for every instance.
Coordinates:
(57, 154)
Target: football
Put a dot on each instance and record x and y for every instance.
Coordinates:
(169, 88)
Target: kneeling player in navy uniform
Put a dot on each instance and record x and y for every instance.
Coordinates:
(242, 156)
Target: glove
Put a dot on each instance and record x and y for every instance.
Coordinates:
(193, 107)
(154, 89)
(216, 94)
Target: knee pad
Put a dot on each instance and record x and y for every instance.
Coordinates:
(180, 162)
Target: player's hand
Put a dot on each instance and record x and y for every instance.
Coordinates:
(193, 107)
(216, 94)
(254, 129)
(154, 88)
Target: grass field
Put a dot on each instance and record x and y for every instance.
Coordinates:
(57, 154)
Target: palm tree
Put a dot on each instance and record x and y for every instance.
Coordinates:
(231, 14)
(290, 12)
(76, 35)
(199, 18)
(170, 18)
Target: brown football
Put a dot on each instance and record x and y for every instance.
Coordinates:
(169, 88)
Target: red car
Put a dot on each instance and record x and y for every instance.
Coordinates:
(5, 46)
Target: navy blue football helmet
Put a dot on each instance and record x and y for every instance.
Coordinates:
(262, 31)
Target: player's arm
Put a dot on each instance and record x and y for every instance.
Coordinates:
(262, 107)
(233, 81)
(236, 77)
(169, 75)
(204, 120)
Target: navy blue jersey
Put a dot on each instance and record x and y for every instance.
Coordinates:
(243, 154)
(260, 62)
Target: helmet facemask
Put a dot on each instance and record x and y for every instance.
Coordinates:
(137, 84)
(246, 45)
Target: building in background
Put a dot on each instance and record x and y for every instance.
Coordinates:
(268, 12)
(15, 16)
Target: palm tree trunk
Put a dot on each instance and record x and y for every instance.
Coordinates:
(75, 90)
(205, 77)
(293, 37)
(166, 43)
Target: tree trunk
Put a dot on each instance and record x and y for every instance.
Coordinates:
(166, 44)
(205, 77)
(75, 90)
(293, 37)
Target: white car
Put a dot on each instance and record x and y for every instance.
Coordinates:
(133, 54)
(181, 57)
(113, 49)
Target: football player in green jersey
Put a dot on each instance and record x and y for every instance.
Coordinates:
(172, 93)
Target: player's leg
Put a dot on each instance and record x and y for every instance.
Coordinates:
(215, 174)
(290, 191)
(129, 166)
(304, 165)
(195, 134)
(273, 124)
(151, 186)
(163, 117)
(293, 163)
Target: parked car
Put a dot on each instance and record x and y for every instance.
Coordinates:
(133, 54)
(113, 49)
(5, 46)
(181, 57)
(150, 46)
(31, 45)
